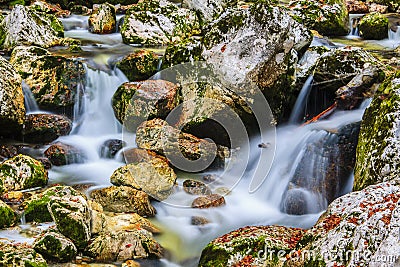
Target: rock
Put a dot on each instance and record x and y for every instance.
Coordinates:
(197, 220)
(373, 7)
(158, 23)
(45, 128)
(7, 151)
(20, 255)
(251, 246)
(128, 222)
(136, 102)
(116, 2)
(131, 263)
(295, 202)
(26, 26)
(137, 155)
(72, 217)
(139, 65)
(111, 147)
(48, 8)
(181, 147)
(154, 177)
(61, 154)
(328, 17)
(55, 247)
(393, 5)
(12, 109)
(7, 216)
(22, 172)
(103, 19)
(357, 7)
(124, 199)
(259, 44)
(357, 229)
(54, 80)
(378, 148)
(194, 187)
(81, 10)
(210, 201)
(124, 245)
(35, 207)
(374, 26)
(188, 50)
(208, 9)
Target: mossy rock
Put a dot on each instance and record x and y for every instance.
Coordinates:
(139, 65)
(7, 215)
(55, 247)
(394, 5)
(188, 50)
(20, 255)
(103, 19)
(22, 172)
(374, 26)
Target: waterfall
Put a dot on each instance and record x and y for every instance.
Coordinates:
(354, 20)
(298, 110)
(31, 105)
(394, 35)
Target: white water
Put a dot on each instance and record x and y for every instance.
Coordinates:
(31, 105)
(354, 19)
(301, 101)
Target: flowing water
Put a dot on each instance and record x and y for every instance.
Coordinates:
(31, 105)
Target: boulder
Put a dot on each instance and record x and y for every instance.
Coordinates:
(209, 201)
(21, 255)
(124, 199)
(208, 9)
(135, 102)
(12, 109)
(45, 128)
(49, 8)
(103, 19)
(124, 245)
(137, 155)
(26, 26)
(7, 151)
(7, 216)
(195, 187)
(158, 23)
(61, 154)
(154, 177)
(328, 17)
(251, 246)
(378, 148)
(55, 81)
(374, 26)
(357, 7)
(393, 5)
(22, 172)
(187, 50)
(111, 147)
(139, 65)
(55, 247)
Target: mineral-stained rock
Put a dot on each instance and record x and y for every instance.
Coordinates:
(7, 215)
(210, 201)
(20, 255)
(103, 19)
(61, 154)
(54, 246)
(139, 65)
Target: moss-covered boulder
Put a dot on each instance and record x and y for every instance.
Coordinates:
(7, 151)
(393, 5)
(139, 65)
(135, 102)
(27, 26)
(20, 255)
(188, 50)
(7, 215)
(45, 128)
(378, 148)
(72, 217)
(208, 9)
(35, 207)
(12, 109)
(55, 81)
(61, 154)
(251, 246)
(55, 247)
(103, 19)
(22, 172)
(124, 199)
(155, 23)
(374, 26)
(124, 245)
(328, 17)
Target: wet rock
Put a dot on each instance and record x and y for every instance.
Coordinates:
(35, 207)
(81, 10)
(328, 17)
(373, 7)
(136, 102)
(259, 44)
(137, 155)
(378, 148)
(20, 255)
(188, 50)
(124, 245)
(55, 247)
(154, 177)
(164, 139)
(357, 7)
(295, 202)
(72, 217)
(45, 161)
(22, 172)
(12, 109)
(139, 65)
(209, 178)
(124, 199)
(251, 246)
(61, 154)
(7, 216)
(194, 187)
(13, 197)
(131, 263)
(393, 5)
(374, 26)
(103, 19)
(55, 81)
(197, 220)
(49, 8)
(158, 23)
(45, 128)
(26, 26)
(210, 201)
(208, 9)
(111, 147)
(7, 151)
(360, 223)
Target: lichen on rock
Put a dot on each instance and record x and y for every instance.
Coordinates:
(374, 26)
(103, 19)
(54, 246)
(20, 255)
(139, 65)
(7, 215)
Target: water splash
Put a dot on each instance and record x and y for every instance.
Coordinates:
(354, 20)
(299, 107)
(31, 105)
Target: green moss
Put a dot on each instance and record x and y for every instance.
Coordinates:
(213, 256)
(139, 65)
(188, 50)
(315, 263)
(7, 215)
(56, 247)
(374, 26)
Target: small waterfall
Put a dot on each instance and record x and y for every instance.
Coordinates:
(354, 20)
(31, 105)
(394, 35)
(299, 107)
